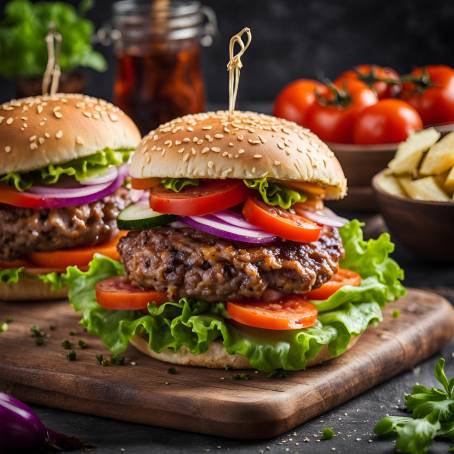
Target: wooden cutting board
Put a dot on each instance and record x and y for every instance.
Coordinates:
(203, 400)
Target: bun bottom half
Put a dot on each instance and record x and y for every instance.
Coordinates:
(216, 357)
(30, 289)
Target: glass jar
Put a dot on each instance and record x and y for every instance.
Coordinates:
(158, 50)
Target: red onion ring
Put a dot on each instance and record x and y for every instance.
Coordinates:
(215, 226)
(66, 193)
(230, 217)
(58, 201)
(324, 217)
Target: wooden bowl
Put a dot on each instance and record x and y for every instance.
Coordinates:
(424, 228)
(361, 162)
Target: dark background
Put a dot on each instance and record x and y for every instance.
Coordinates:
(307, 38)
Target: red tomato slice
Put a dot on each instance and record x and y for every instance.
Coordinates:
(117, 293)
(77, 256)
(14, 263)
(10, 196)
(280, 222)
(291, 312)
(340, 279)
(210, 196)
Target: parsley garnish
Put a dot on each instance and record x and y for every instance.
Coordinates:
(278, 373)
(71, 355)
(432, 416)
(38, 334)
(328, 433)
(82, 344)
(171, 370)
(67, 345)
(241, 377)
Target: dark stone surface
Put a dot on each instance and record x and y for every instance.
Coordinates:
(353, 421)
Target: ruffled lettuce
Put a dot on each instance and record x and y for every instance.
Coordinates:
(195, 324)
(178, 184)
(11, 276)
(274, 194)
(80, 169)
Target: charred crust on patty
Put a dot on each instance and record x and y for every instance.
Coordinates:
(185, 262)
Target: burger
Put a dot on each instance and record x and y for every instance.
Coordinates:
(62, 173)
(233, 260)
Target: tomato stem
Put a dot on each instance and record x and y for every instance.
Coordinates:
(340, 96)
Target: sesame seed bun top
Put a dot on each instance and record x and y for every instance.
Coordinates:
(41, 130)
(243, 145)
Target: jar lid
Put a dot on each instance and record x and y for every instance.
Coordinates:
(139, 20)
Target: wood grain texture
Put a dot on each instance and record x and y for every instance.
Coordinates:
(209, 401)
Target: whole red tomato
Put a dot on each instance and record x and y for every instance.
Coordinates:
(294, 101)
(388, 121)
(430, 91)
(384, 81)
(334, 113)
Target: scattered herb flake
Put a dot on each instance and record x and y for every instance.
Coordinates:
(52, 327)
(118, 360)
(171, 370)
(9, 319)
(102, 361)
(3, 327)
(241, 376)
(82, 344)
(278, 373)
(36, 331)
(73, 333)
(328, 433)
(67, 345)
(396, 313)
(71, 355)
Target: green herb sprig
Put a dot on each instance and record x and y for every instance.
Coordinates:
(432, 416)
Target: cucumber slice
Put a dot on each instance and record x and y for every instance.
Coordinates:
(140, 216)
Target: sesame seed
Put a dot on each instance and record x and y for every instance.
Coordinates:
(177, 142)
(113, 117)
(241, 151)
(195, 139)
(226, 130)
(215, 149)
(33, 146)
(181, 150)
(7, 149)
(59, 134)
(262, 139)
(58, 114)
(163, 152)
(218, 136)
(185, 140)
(32, 139)
(225, 154)
(277, 163)
(96, 116)
(168, 143)
(79, 140)
(186, 157)
(41, 140)
(240, 137)
(57, 108)
(207, 128)
(258, 156)
(205, 150)
(9, 120)
(254, 142)
(280, 145)
(210, 164)
(155, 137)
(1, 119)
(47, 135)
(193, 150)
(190, 128)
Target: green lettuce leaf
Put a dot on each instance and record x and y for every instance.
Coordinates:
(381, 275)
(178, 184)
(10, 276)
(80, 169)
(274, 194)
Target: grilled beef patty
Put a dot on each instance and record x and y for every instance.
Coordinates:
(186, 262)
(24, 230)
